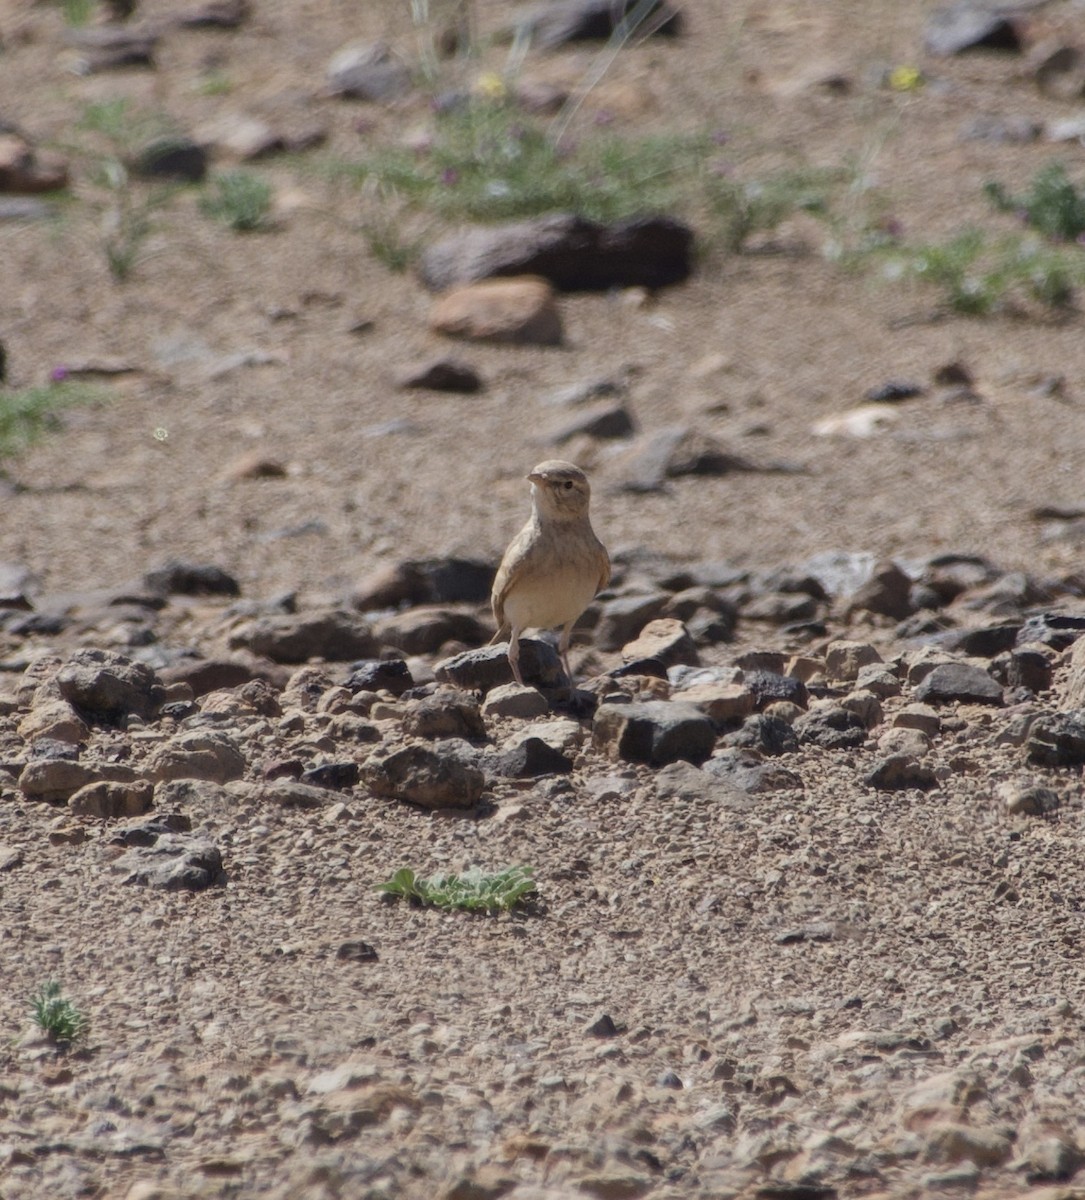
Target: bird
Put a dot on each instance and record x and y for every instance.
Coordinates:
(554, 566)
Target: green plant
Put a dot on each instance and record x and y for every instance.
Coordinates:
(27, 414)
(240, 199)
(125, 211)
(473, 891)
(77, 12)
(740, 208)
(57, 1017)
(978, 277)
(1052, 205)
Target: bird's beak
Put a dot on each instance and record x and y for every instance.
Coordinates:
(535, 477)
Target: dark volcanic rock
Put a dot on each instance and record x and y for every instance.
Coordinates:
(483, 669)
(566, 21)
(768, 735)
(832, 727)
(959, 681)
(969, 25)
(530, 758)
(573, 253)
(191, 579)
(380, 675)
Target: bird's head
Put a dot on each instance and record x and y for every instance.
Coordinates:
(560, 490)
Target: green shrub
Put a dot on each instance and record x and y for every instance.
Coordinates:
(473, 891)
(1052, 205)
(240, 199)
(27, 414)
(57, 1017)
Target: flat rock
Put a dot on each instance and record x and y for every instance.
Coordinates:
(683, 781)
(54, 780)
(512, 700)
(205, 675)
(750, 773)
(112, 48)
(671, 453)
(622, 618)
(573, 253)
(764, 733)
(888, 592)
(606, 421)
(961, 682)
(666, 640)
(530, 758)
(722, 703)
(521, 311)
(380, 675)
(655, 732)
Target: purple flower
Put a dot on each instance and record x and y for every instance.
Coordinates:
(450, 176)
(58, 374)
(604, 118)
(721, 137)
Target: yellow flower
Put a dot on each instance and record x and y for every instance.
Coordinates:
(905, 79)
(491, 85)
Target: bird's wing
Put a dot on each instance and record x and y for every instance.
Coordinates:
(604, 569)
(512, 566)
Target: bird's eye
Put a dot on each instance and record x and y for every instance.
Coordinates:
(568, 485)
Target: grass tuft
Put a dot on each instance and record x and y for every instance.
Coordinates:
(56, 1016)
(473, 891)
(239, 199)
(29, 413)
(1053, 205)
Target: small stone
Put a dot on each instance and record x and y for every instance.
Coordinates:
(191, 579)
(968, 25)
(897, 771)
(520, 310)
(750, 774)
(380, 675)
(887, 593)
(622, 618)
(530, 758)
(173, 158)
(254, 464)
(666, 640)
(56, 720)
(356, 951)
(765, 734)
(865, 705)
(564, 21)
(111, 48)
(442, 375)
(918, 716)
(602, 1027)
(607, 421)
(447, 713)
(512, 700)
(722, 703)
(844, 660)
(54, 780)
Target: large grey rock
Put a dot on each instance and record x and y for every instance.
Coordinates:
(573, 253)
(447, 713)
(105, 687)
(971, 25)
(1057, 739)
(424, 630)
(830, 726)
(173, 862)
(368, 72)
(655, 731)
(107, 799)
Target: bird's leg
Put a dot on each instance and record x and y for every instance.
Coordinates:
(563, 652)
(514, 655)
